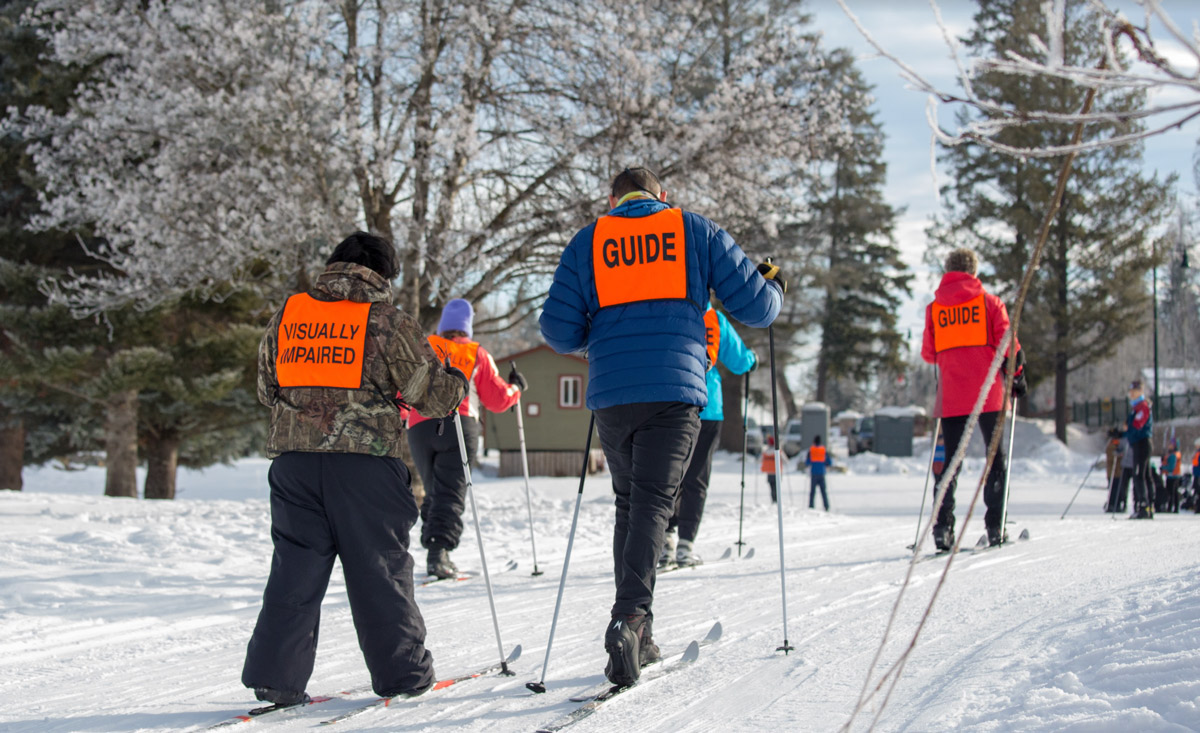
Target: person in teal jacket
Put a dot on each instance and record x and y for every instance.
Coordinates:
(724, 346)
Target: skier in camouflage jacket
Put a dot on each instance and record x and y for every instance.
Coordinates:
(330, 364)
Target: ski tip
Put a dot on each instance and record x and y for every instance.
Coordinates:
(749, 554)
(692, 653)
(536, 687)
(1024, 535)
(512, 565)
(514, 655)
(715, 632)
(727, 554)
(983, 541)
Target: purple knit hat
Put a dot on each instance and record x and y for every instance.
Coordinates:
(456, 316)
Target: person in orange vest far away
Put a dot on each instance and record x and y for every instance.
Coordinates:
(963, 328)
(435, 445)
(768, 465)
(817, 459)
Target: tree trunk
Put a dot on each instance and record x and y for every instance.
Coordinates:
(120, 443)
(1062, 329)
(162, 462)
(12, 450)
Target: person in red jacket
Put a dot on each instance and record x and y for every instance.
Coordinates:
(963, 328)
(435, 445)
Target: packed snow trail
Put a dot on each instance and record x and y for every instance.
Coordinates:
(128, 615)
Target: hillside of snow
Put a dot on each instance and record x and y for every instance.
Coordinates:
(129, 615)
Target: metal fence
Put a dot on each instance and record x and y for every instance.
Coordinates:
(1112, 411)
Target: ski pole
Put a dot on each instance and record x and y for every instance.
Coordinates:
(525, 468)
(540, 686)
(462, 451)
(1081, 483)
(745, 427)
(937, 429)
(1012, 434)
(779, 491)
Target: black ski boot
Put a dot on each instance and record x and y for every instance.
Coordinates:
(648, 651)
(437, 563)
(943, 537)
(280, 698)
(996, 537)
(623, 642)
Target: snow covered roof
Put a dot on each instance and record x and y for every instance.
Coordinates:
(897, 411)
(848, 415)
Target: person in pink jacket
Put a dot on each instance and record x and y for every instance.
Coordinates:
(434, 444)
(963, 328)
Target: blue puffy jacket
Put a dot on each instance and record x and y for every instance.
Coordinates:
(737, 358)
(653, 351)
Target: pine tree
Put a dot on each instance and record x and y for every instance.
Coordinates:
(864, 278)
(1089, 293)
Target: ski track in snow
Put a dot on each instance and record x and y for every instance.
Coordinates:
(123, 615)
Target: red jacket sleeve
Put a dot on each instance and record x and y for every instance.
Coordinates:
(495, 393)
(998, 318)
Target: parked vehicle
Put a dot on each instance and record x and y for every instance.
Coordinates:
(793, 437)
(862, 436)
(754, 437)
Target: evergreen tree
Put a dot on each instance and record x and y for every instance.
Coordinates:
(864, 277)
(1089, 292)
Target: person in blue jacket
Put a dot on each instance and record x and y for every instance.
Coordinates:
(817, 459)
(1139, 427)
(723, 345)
(630, 291)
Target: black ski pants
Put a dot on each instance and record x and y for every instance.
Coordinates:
(817, 482)
(689, 506)
(647, 446)
(358, 508)
(1143, 484)
(440, 466)
(993, 489)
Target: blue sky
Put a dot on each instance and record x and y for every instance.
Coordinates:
(908, 30)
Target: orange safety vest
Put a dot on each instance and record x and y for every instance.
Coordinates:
(1196, 459)
(817, 453)
(768, 461)
(461, 356)
(321, 343)
(1178, 464)
(639, 259)
(712, 336)
(960, 325)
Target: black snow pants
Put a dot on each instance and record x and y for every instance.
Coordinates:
(439, 463)
(993, 489)
(358, 508)
(1143, 484)
(689, 506)
(647, 446)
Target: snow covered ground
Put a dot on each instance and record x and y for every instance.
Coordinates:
(123, 615)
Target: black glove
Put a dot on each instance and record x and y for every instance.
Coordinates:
(754, 366)
(771, 272)
(515, 378)
(458, 373)
(1019, 384)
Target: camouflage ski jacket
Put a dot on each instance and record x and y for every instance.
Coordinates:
(395, 357)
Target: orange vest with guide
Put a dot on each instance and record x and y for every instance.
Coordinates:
(321, 343)
(712, 336)
(768, 461)
(955, 326)
(635, 259)
(461, 356)
(817, 453)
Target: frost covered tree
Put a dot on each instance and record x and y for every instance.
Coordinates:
(1089, 292)
(238, 137)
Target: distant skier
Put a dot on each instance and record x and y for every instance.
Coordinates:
(628, 290)
(1194, 496)
(434, 444)
(768, 467)
(725, 346)
(329, 366)
(817, 459)
(963, 327)
(1138, 428)
(1112, 468)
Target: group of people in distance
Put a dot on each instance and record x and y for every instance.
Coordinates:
(1127, 462)
(345, 374)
